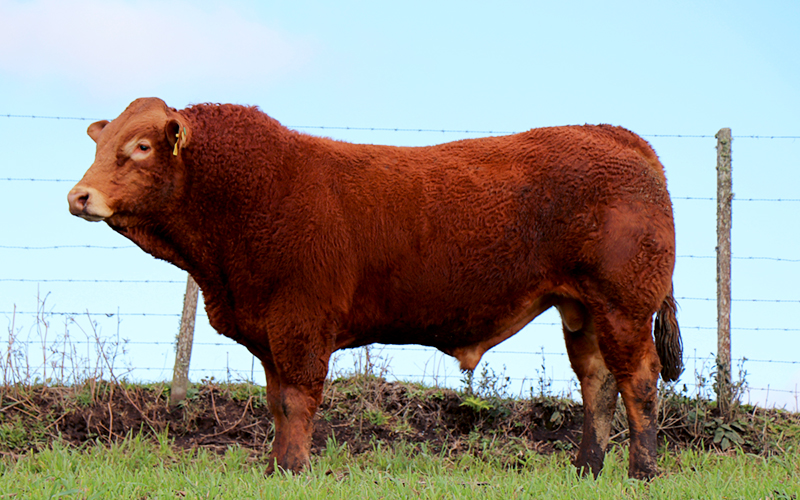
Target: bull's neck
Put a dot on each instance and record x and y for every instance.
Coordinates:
(228, 204)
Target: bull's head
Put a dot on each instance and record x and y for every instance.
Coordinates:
(137, 167)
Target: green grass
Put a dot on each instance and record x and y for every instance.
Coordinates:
(139, 468)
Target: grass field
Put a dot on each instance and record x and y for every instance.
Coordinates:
(139, 468)
(88, 437)
(374, 439)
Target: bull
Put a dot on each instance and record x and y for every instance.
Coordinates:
(305, 245)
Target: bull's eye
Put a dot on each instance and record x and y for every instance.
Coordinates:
(138, 149)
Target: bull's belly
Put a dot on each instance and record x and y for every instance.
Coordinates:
(465, 340)
(440, 336)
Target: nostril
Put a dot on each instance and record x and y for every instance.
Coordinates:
(77, 201)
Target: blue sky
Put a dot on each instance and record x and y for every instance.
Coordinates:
(659, 69)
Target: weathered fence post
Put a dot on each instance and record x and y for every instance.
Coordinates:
(183, 349)
(724, 213)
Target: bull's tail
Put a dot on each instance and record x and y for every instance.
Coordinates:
(668, 339)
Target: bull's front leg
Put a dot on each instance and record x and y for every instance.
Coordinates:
(300, 346)
(278, 416)
(293, 407)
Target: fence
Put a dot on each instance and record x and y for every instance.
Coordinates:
(59, 290)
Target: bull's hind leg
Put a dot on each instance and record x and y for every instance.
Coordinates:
(630, 354)
(598, 386)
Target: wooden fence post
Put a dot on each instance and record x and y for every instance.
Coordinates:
(724, 220)
(183, 349)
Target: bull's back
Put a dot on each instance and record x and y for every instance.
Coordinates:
(490, 203)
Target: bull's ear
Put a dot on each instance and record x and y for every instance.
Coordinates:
(178, 135)
(95, 129)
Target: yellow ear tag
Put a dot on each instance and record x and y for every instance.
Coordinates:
(180, 136)
(177, 141)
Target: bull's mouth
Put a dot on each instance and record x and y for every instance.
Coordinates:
(90, 217)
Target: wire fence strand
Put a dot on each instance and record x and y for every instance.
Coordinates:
(421, 129)
(129, 247)
(681, 198)
(59, 247)
(535, 324)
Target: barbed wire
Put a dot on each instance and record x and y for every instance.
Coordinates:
(31, 179)
(127, 247)
(743, 328)
(681, 198)
(698, 198)
(64, 313)
(380, 349)
(493, 352)
(40, 117)
(26, 280)
(89, 313)
(413, 129)
(400, 129)
(534, 324)
(777, 259)
(58, 247)
(767, 199)
(708, 299)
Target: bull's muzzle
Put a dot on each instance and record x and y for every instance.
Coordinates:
(88, 203)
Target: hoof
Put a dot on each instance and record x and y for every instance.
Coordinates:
(287, 465)
(589, 463)
(643, 473)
